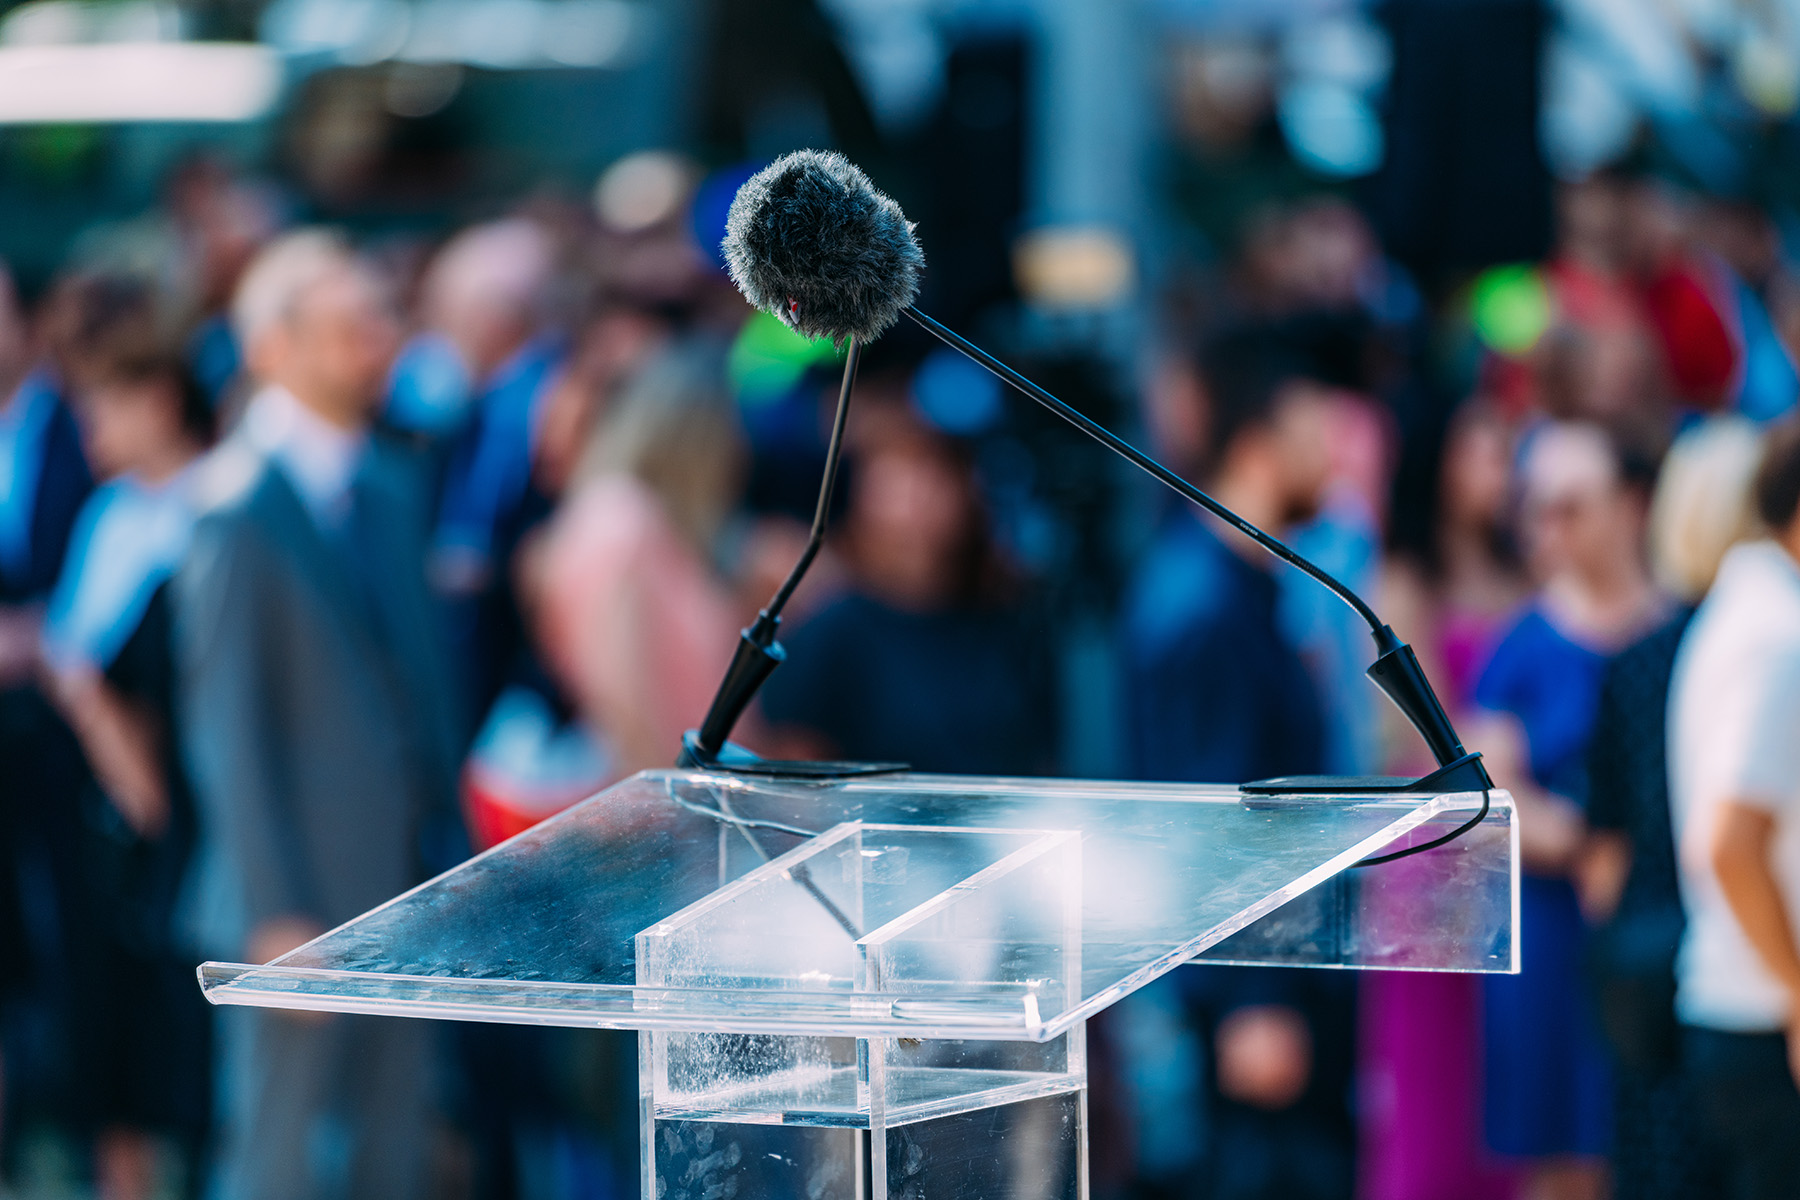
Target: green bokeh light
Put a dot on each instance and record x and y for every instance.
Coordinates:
(1510, 308)
(767, 358)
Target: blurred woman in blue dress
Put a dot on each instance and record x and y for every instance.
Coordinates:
(144, 1032)
(1548, 1089)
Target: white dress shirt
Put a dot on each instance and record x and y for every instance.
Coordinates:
(318, 457)
(1734, 735)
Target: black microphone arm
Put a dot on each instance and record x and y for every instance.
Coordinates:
(758, 653)
(1396, 670)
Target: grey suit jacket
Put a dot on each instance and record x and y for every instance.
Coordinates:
(316, 710)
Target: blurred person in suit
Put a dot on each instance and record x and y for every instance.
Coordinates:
(316, 720)
(488, 301)
(107, 665)
(483, 303)
(1734, 783)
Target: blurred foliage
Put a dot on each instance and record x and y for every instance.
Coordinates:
(55, 156)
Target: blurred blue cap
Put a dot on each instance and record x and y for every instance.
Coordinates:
(955, 395)
(712, 202)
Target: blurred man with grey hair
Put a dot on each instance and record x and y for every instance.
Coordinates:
(488, 291)
(314, 719)
(491, 293)
(484, 298)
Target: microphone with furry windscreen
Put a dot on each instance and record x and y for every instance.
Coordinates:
(812, 241)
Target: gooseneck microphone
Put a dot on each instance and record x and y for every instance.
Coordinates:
(758, 653)
(812, 241)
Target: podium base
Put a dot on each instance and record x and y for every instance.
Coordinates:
(735, 760)
(861, 1118)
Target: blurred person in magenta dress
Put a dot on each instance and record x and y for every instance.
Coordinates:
(1421, 1033)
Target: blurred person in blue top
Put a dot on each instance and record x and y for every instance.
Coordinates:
(43, 477)
(44, 480)
(1217, 692)
(1547, 1079)
(487, 302)
(1344, 537)
(143, 1052)
(931, 656)
(1756, 290)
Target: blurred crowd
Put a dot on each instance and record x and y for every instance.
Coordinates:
(324, 564)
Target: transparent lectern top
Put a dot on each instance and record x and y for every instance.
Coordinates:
(905, 905)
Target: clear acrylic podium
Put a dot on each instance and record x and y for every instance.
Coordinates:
(877, 988)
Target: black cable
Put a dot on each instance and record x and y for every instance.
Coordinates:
(799, 873)
(1434, 843)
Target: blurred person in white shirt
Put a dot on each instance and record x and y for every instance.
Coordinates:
(1734, 783)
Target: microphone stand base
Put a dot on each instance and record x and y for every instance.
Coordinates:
(736, 760)
(1465, 774)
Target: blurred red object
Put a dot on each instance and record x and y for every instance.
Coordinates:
(496, 808)
(1697, 346)
(527, 764)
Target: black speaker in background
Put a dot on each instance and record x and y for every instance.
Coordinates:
(773, 79)
(970, 162)
(1464, 184)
